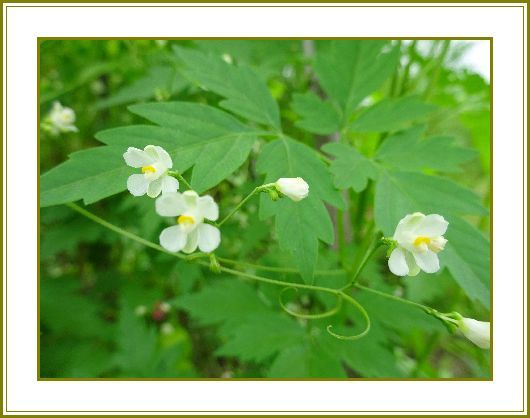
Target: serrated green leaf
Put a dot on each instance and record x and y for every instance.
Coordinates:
(400, 193)
(350, 70)
(316, 116)
(91, 175)
(245, 93)
(409, 151)
(299, 225)
(157, 80)
(391, 114)
(227, 301)
(350, 168)
(192, 134)
(260, 336)
(224, 142)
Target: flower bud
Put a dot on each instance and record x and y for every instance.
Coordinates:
(478, 332)
(294, 188)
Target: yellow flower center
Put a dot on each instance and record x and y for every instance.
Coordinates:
(422, 240)
(148, 169)
(185, 220)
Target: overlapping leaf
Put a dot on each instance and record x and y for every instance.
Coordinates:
(193, 134)
(316, 116)
(245, 93)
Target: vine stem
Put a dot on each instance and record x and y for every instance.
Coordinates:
(245, 200)
(193, 257)
(374, 247)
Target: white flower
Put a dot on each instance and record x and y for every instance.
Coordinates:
(154, 162)
(419, 238)
(61, 119)
(190, 231)
(294, 188)
(478, 332)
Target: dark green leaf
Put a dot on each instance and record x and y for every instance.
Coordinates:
(316, 116)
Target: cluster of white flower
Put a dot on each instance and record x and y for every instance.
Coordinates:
(191, 210)
(416, 242)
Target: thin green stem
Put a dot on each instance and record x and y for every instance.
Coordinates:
(371, 251)
(340, 235)
(395, 298)
(245, 200)
(180, 178)
(325, 314)
(285, 270)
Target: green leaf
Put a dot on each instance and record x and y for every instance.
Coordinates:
(316, 116)
(467, 256)
(350, 168)
(225, 301)
(350, 70)
(260, 336)
(409, 151)
(306, 360)
(222, 143)
(158, 80)
(193, 134)
(299, 225)
(400, 193)
(90, 175)
(245, 93)
(391, 114)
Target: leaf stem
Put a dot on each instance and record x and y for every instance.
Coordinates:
(395, 298)
(369, 253)
(258, 189)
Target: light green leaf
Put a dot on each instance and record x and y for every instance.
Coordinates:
(158, 80)
(391, 114)
(245, 93)
(409, 151)
(350, 168)
(316, 116)
(467, 256)
(400, 193)
(299, 225)
(350, 70)
(260, 336)
(90, 175)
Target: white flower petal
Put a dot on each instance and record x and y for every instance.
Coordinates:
(209, 238)
(191, 244)
(427, 261)
(407, 225)
(477, 332)
(397, 262)
(137, 158)
(170, 204)
(294, 188)
(208, 208)
(432, 226)
(190, 197)
(414, 269)
(154, 188)
(169, 184)
(137, 184)
(173, 238)
(159, 154)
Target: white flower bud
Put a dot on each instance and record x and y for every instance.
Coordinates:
(478, 332)
(294, 188)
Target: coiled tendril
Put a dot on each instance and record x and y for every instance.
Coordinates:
(331, 312)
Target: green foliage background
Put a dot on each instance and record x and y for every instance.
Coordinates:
(379, 129)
